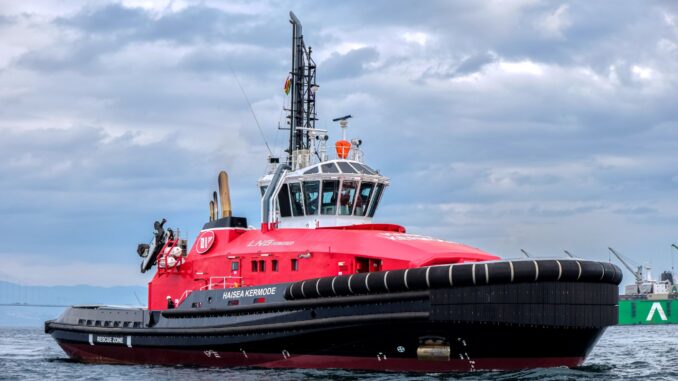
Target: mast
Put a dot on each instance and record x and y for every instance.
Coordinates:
(302, 115)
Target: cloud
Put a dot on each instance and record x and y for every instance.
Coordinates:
(351, 64)
(524, 124)
(553, 24)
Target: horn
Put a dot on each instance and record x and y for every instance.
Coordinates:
(215, 200)
(212, 217)
(225, 194)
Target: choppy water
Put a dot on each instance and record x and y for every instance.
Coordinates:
(623, 353)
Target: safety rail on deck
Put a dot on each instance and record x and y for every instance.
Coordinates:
(215, 283)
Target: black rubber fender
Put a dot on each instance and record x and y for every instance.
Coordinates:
(439, 276)
(376, 283)
(396, 281)
(325, 286)
(358, 285)
(571, 270)
(458, 275)
(416, 278)
(549, 270)
(462, 275)
(524, 271)
(500, 272)
(591, 271)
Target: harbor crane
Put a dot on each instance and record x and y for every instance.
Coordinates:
(637, 273)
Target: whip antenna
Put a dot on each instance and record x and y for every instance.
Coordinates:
(254, 115)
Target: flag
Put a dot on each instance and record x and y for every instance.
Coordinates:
(288, 85)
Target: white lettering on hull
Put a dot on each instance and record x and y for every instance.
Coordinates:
(269, 242)
(410, 237)
(110, 340)
(264, 291)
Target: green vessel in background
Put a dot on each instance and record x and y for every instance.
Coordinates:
(638, 310)
(648, 301)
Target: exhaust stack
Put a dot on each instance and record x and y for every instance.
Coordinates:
(215, 200)
(225, 194)
(212, 214)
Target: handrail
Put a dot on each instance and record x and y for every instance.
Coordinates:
(211, 285)
(271, 191)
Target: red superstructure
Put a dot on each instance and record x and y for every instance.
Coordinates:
(241, 257)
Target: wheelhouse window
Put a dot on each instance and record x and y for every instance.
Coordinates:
(375, 199)
(346, 167)
(329, 168)
(348, 191)
(234, 266)
(263, 190)
(255, 266)
(311, 193)
(262, 265)
(329, 197)
(363, 199)
(364, 169)
(311, 171)
(284, 202)
(274, 265)
(297, 200)
(295, 264)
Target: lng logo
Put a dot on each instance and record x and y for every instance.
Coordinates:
(269, 242)
(410, 237)
(204, 242)
(656, 307)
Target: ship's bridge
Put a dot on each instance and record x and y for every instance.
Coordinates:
(331, 193)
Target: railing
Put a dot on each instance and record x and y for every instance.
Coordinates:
(220, 282)
(215, 283)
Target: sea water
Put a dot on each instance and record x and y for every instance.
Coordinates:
(623, 353)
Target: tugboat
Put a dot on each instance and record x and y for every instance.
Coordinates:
(320, 285)
(648, 301)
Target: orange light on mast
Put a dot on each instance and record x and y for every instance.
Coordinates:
(343, 146)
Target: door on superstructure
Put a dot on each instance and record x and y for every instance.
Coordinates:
(367, 265)
(362, 265)
(235, 279)
(375, 264)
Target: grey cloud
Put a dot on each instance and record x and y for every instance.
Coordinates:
(474, 63)
(640, 210)
(351, 64)
(256, 61)
(525, 155)
(86, 190)
(108, 19)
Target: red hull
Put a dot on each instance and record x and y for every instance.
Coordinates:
(124, 355)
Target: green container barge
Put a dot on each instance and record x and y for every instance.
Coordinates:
(634, 311)
(648, 301)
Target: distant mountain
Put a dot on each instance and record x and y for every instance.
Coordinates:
(25, 305)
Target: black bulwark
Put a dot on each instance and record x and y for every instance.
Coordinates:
(226, 222)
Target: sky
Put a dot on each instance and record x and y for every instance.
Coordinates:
(506, 125)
